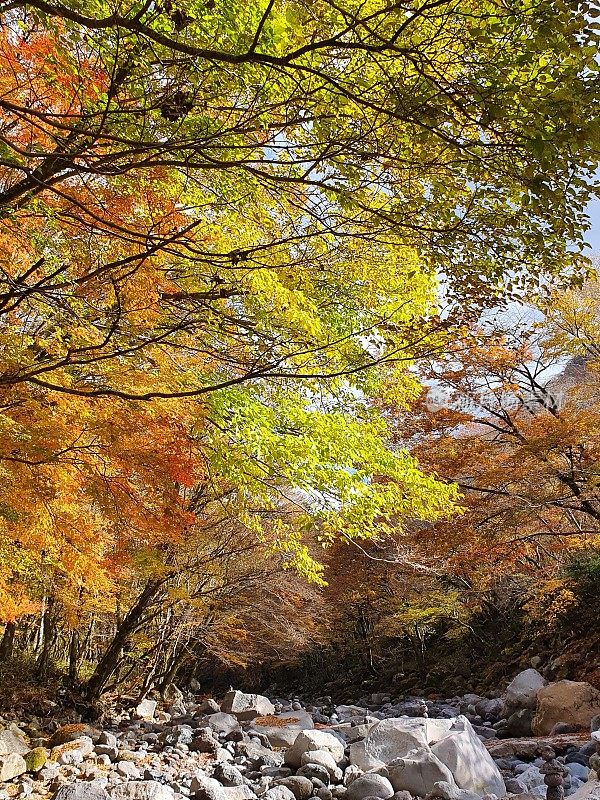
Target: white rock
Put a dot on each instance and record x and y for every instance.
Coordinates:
(142, 790)
(522, 690)
(73, 752)
(360, 759)
(108, 739)
(418, 772)
(394, 738)
(324, 759)
(146, 709)
(11, 766)
(128, 770)
(12, 741)
(247, 706)
(471, 765)
(314, 740)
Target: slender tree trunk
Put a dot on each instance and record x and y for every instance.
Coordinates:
(46, 639)
(8, 641)
(73, 656)
(127, 627)
(177, 661)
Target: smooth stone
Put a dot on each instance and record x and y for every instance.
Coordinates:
(370, 785)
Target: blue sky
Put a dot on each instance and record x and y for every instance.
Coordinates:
(593, 236)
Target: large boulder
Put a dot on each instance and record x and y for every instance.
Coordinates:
(222, 722)
(247, 706)
(574, 702)
(417, 772)
(11, 766)
(522, 691)
(589, 791)
(140, 790)
(205, 788)
(12, 741)
(314, 740)
(471, 765)
(71, 732)
(395, 737)
(81, 790)
(73, 752)
(282, 730)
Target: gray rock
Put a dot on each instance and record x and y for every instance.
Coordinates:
(206, 788)
(73, 752)
(283, 735)
(370, 785)
(418, 772)
(324, 759)
(208, 706)
(279, 792)
(247, 706)
(258, 755)
(314, 771)
(578, 771)
(228, 775)
(522, 690)
(178, 734)
(300, 786)
(396, 737)
(519, 724)
(515, 785)
(81, 790)
(204, 742)
(489, 710)
(222, 722)
(450, 791)
(345, 713)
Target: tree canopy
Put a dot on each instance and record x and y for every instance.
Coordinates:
(227, 231)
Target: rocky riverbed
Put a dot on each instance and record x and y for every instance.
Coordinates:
(247, 746)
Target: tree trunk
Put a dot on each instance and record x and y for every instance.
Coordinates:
(127, 627)
(8, 640)
(73, 656)
(46, 639)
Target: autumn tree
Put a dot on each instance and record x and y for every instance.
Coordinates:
(220, 230)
